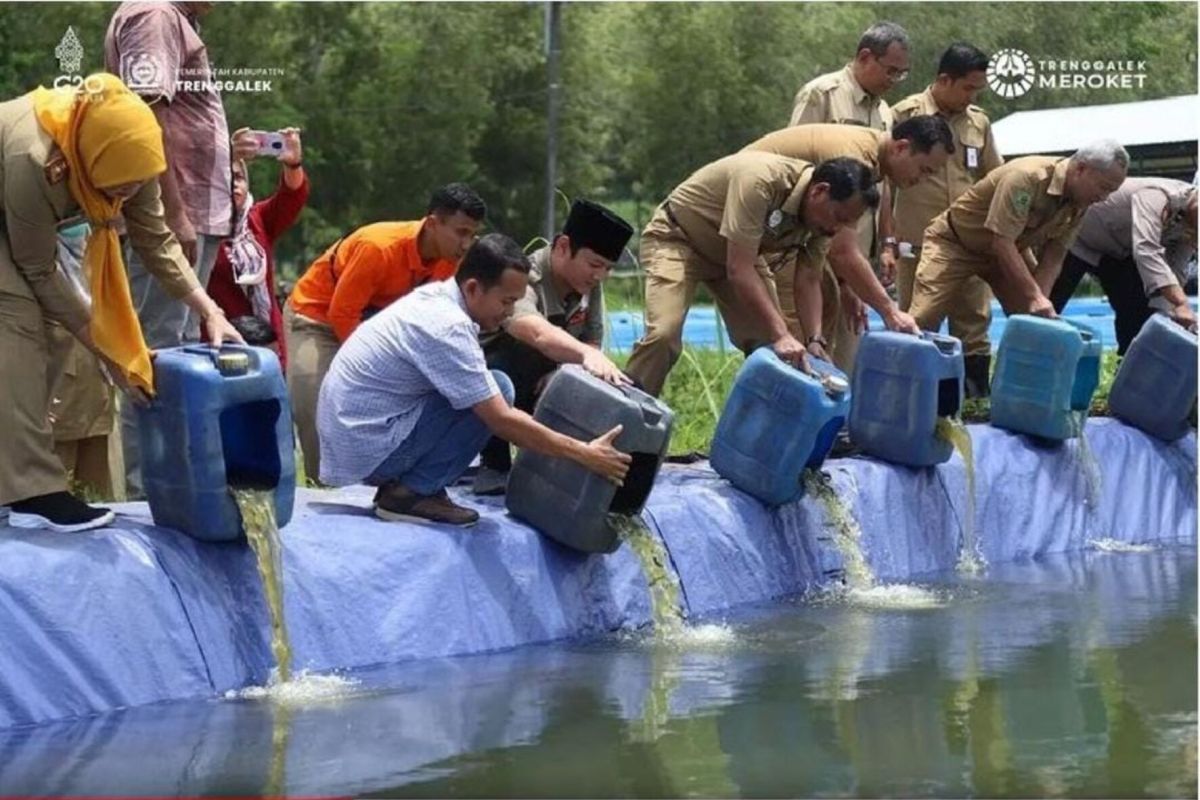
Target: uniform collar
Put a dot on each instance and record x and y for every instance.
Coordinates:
(861, 95)
(927, 102)
(794, 200)
(1058, 180)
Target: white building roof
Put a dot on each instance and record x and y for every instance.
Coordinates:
(1057, 130)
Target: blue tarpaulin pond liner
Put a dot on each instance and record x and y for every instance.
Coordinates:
(134, 614)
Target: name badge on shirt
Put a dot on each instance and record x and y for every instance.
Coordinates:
(972, 157)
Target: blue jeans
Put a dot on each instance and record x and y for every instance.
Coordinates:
(440, 447)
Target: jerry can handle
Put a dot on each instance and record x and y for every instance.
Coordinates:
(224, 358)
(946, 345)
(651, 413)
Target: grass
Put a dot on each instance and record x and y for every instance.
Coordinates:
(696, 390)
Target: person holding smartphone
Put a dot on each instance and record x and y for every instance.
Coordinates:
(243, 278)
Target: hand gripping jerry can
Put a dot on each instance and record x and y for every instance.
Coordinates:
(221, 418)
(777, 422)
(902, 384)
(564, 500)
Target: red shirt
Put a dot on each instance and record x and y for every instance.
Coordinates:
(269, 219)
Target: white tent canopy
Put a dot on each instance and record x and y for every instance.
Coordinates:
(1059, 130)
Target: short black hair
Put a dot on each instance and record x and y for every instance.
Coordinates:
(961, 59)
(573, 245)
(254, 330)
(847, 177)
(488, 258)
(925, 132)
(457, 197)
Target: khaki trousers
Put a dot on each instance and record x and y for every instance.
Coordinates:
(83, 408)
(947, 276)
(311, 346)
(970, 311)
(673, 273)
(29, 466)
(87, 462)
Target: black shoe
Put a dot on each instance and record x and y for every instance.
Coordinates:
(693, 457)
(977, 376)
(59, 511)
(396, 502)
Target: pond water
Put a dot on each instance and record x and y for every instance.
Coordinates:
(1074, 675)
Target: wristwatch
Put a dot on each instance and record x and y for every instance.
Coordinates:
(891, 241)
(818, 339)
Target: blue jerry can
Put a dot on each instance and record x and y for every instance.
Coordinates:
(777, 422)
(1045, 370)
(902, 384)
(1155, 387)
(562, 499)
(221, 418)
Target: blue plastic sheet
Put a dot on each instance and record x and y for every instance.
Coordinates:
(135, 614)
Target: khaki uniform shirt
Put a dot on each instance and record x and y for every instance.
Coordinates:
(838, 98)
(35, 198)
(1145, 219)
(975, 156)
(817, 143)
(581, 317)
(750, 198)
(1022, 200)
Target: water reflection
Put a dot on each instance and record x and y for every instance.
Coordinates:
(1070, 676)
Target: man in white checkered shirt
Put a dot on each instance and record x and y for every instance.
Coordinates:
(409, 401)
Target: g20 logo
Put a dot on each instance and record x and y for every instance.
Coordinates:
(91, 86)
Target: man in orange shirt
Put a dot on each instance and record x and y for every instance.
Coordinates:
(360, 274)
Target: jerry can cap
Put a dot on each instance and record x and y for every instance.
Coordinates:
(835, 387)
(232, 363)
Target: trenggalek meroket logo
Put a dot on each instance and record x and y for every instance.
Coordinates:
(1010, 73)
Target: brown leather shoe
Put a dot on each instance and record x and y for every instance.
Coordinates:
(395, 502)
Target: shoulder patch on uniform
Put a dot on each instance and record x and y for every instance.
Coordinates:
(976, 111)
(827, 81)
(1021, 199)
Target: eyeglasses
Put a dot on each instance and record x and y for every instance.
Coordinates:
(895, 74)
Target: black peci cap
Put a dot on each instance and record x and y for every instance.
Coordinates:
(593, 226)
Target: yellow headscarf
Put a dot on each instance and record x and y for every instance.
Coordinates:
(109, 137)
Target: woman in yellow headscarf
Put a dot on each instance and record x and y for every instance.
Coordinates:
(93, 153)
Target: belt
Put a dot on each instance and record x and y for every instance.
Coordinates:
(671, 214)
(950, 224)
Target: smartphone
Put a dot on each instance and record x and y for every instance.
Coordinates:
(270, 143)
